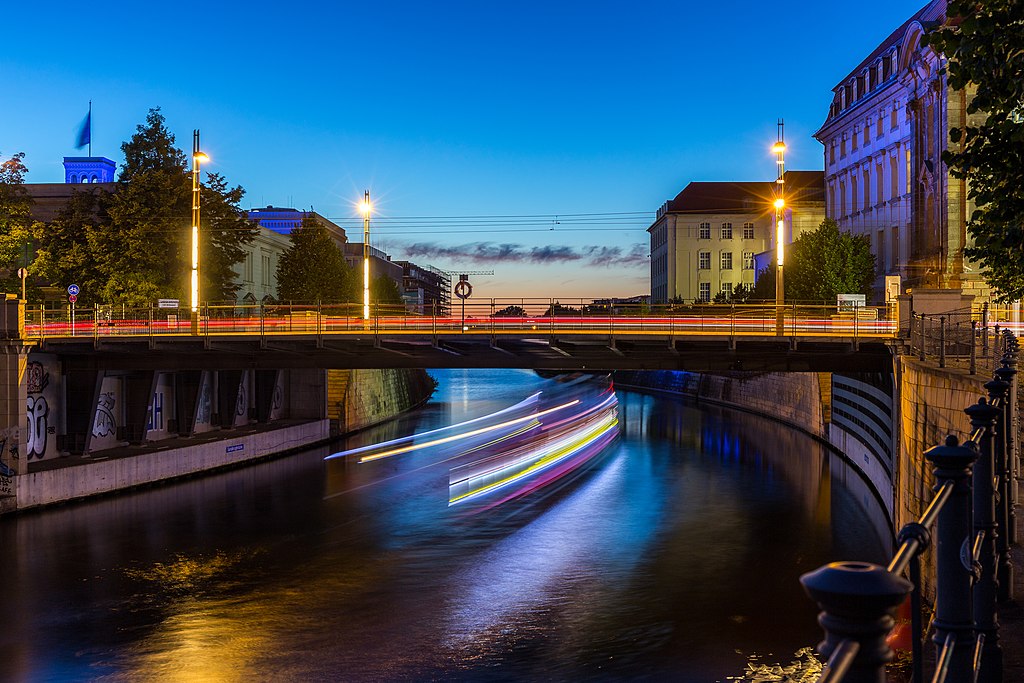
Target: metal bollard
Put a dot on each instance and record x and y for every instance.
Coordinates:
(924, 340)
(858, 602)
(974, 347)
(942, 341)
(954, 615)
(984, 330)
(986, 589)
(1008, 373)
(997, 390)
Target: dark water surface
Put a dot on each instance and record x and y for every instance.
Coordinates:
(673, 556)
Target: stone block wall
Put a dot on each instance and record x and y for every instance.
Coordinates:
(374, 396)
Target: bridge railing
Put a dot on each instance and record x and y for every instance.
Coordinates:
(968, 338)
(493, 317)
(972, 513)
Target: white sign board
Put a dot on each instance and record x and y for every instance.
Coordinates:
(847, 302)
(167, 303)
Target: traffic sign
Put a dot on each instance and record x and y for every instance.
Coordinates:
(22, 273)
(73, 290)
(463, 289)
(72, 298)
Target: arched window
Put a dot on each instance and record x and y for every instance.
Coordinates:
(84, 178)
(72, 178)
(93, 178)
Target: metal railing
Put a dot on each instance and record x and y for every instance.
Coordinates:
(481, 317)
(972, 513)
(970, 338)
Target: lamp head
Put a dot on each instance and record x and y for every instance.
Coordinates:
(365, 207)
(780, 203)
(779, 147)
(201, 157)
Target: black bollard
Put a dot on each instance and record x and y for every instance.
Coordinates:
(997, 389)
(858, 602)
(954, 615)
(1008, 373)
(986, 589)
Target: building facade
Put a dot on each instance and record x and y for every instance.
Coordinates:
(884, 135)
(283, 220)
(708, 239)
(256, 273)
(425, 289)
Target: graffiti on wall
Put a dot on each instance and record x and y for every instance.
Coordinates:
(37, 410)
(8, 453)
(106, 423)
(204, 409)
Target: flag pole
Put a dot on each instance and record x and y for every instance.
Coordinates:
(90, 127)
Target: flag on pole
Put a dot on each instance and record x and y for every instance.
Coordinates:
(85, 132)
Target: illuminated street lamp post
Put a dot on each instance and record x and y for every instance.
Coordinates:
(779, 148)
(197, 158)
(365, 207)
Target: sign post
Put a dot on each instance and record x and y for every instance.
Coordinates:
(72, 298)
(463, 290)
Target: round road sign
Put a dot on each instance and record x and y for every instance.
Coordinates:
(73, 290)
(73, 298)
(22, 273)
(463, 289)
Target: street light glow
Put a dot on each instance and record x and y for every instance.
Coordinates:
(779, 203)
(201, 157)
(365, 207)
(779, 147)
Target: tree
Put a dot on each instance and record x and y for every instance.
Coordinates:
(15, 221)
(313, 269)
(63, 249)
(982, 44)
(821, 264)
(384, 291)
(143, 249)
(510, 312)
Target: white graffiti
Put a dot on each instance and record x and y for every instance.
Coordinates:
(105, 423)
(38, 411)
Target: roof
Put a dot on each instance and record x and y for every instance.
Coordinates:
(933, 11)
(746, 197)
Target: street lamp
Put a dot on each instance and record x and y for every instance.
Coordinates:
(779, 148)
(197, 158)
(365, 207)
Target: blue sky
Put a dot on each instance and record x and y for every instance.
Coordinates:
(473, 124)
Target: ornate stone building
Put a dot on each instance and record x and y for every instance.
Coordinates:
(886, 129)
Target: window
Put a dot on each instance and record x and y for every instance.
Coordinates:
(832, 153)
(831, 198)
(704, 231)
(878, 127)
(879, 183)
(748, 260)
(842, 148)
(704, 260)
(727, 289)
(867, 190)
(894, 177)
(842, 199)
(265, 275)
(892, 119)
(867, 133)
(726, 260)
(853, 141)
(705, 291)
(726, 231)
(748, 231)
(908, 172)
(881, 250)
(248, 267)
(853, 193)
(886, 69)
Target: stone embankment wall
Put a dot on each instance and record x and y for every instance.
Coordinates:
(358, 399)
(793, 398)
(932, 402)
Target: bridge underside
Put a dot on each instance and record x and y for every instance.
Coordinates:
(568, 352)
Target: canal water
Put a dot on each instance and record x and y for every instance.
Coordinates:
(673, 554)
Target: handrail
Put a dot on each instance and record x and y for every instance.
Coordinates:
(840, 661)
(858, 599)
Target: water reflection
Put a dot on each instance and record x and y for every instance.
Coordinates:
(673, 555)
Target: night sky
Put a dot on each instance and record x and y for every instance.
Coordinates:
(536, 139)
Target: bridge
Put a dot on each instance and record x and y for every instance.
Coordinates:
(534, 334)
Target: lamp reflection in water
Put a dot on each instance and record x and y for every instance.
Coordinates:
(521, 448)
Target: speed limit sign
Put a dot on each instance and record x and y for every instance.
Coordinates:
(463, 289)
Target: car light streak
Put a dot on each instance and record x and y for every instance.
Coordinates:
(532, 462)
(466, 435)
(405, 439)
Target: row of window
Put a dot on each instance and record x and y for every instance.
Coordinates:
(725, 260)
(725, 233)
(862, 133)
(265, 272)
(866, 82)
(860, 192)
(704, 290)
